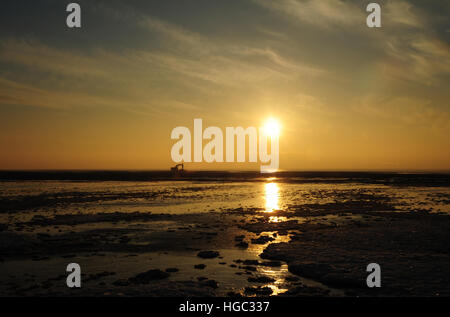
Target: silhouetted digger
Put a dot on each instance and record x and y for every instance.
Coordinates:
(177, 171)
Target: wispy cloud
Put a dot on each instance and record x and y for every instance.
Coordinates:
(185, 58)
(339, 13)
(324, 14)
(399, 12)
(417, 58)
(411, 112)
(35, 55)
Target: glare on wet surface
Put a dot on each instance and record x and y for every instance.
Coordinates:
(178, 197)
(271, 197)
(272, 200)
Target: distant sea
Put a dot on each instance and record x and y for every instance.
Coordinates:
(388, 178)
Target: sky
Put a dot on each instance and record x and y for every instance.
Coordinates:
(107, 95)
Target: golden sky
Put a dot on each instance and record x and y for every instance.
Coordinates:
(108, 95)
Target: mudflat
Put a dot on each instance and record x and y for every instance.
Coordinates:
(271, 237)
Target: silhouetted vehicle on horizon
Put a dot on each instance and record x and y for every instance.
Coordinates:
(178, 170)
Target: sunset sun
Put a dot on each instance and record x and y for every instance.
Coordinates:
(272, 127)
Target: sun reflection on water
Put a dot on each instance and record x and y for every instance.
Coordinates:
(278, 273)
(271, 197)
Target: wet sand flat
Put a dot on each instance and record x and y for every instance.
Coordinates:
(262, 237)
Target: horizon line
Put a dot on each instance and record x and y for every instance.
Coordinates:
(418, 171)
